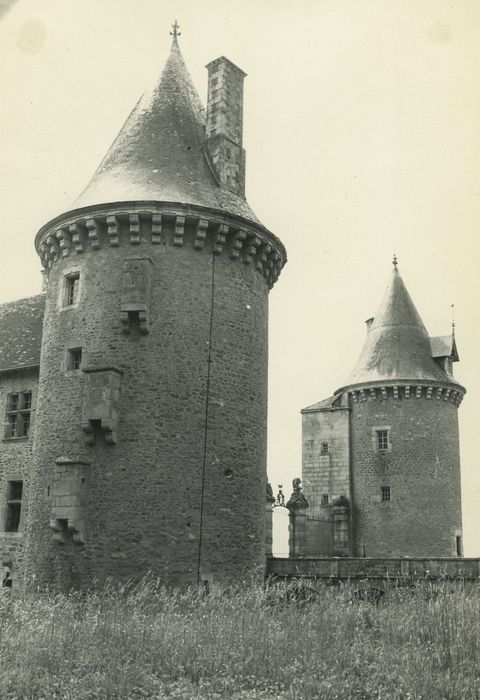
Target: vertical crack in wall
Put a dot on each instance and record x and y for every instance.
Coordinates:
(205, 436)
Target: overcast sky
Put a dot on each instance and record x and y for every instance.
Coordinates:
(362, 131)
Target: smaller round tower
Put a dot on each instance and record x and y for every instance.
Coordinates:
(404, 444)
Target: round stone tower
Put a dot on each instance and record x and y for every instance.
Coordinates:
(150, 429)
(405, 464)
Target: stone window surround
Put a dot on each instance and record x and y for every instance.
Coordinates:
(72, 345)
(3, 509)
(74, 359)
(20, 411)
(376, 429)
(69, 274)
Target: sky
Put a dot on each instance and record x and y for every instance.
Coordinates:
(362, 132)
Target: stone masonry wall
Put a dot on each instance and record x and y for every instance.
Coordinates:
(422, 468)
(15, 465)
(325, 474)
(181, 486)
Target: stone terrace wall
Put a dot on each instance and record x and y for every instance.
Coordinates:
(360, 568)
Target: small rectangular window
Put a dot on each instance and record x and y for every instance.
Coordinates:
(324, 499)
(382, 439)
(14, 505)
(19, 408)
(72, 287)
(386, 496)
(74, 358)
(458, 544)
(324, 448)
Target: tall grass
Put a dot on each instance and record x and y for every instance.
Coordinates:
(148, 642)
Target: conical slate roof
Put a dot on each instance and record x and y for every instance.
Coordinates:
(397, 347)
(159, 154)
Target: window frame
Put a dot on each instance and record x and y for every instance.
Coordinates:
(65, 299)
(386, 494)
(382, 444)
(72, 289)
(11, 505)
(74, 359)
(18, 415)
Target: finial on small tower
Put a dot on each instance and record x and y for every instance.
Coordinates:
(453, 319)
(175, 32)
(395, 261)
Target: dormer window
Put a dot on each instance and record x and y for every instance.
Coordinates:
(444, 352)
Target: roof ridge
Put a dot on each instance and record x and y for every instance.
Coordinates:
(16, 301)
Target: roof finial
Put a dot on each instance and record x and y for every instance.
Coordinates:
(453, 319)
(395, 261)
(175, 32)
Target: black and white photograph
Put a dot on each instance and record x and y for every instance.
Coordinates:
(239, 347)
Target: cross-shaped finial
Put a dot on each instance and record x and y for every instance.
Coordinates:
(395, 261)
(175, 28)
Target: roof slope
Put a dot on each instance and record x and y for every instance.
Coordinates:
(397, 345)
(159, 153)
(21, 325)
(444, 346)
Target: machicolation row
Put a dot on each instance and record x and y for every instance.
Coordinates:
(408, 391)
(159, 226)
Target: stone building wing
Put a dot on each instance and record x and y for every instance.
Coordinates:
(160, 153)
(398, 347)
(21, 324)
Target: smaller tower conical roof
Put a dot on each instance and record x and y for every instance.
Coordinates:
(397, 347)
(159, 154)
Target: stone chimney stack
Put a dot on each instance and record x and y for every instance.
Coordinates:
(225, 124)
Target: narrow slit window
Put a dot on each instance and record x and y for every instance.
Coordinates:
(72, 288)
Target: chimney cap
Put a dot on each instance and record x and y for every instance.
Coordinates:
(223, 59)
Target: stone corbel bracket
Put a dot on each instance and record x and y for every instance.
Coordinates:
(166, 224)
(100, 405)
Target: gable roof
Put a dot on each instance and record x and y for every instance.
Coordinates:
(21, 325)
(444, 346)
(159, 154)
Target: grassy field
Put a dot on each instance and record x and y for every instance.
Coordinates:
(247, 643)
